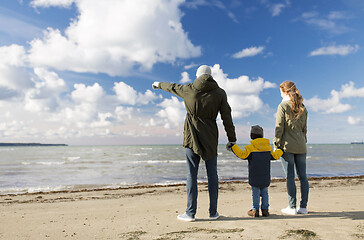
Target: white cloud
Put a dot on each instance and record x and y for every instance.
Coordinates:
(125, 93)
(243, 92)
(348, 90)
(276, 8)
(13, 55)
(90, 94)
(128, 95)
(52, 3)
(103, 120)
(192, 65)
(334, 104)
(15, 79)
(17, 26)
(173, 112)
(342, 50)
(243, 105)
(185, 78)
(355, 120)
(80, 115)
(331, 23)
(150, 32)
(331, 105)
(147, 97)
(216, 3)
(50, 82)
(249, 52)
(45, 95)
(123, 113)
(95, 41)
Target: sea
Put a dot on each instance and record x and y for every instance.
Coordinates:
(72, 168)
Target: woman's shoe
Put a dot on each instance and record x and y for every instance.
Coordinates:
(302, 210)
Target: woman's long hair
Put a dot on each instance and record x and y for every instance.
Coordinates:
(297, 106)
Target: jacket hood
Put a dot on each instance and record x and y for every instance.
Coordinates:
(205, 83)
(261, 144)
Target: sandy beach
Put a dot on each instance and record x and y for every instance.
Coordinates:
(336, 211)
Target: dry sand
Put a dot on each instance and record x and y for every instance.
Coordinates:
(336, 211)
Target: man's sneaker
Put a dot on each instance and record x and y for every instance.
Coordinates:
(253, 213)
(302, 210)
(290, 211)
(265, 212)
(214, 217)
(185, 217)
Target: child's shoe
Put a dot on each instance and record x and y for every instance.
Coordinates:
(253, 213)
(265, 212)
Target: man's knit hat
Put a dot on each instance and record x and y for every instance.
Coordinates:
(203, 69)
(258, 130)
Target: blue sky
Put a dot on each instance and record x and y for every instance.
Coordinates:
(80, 71)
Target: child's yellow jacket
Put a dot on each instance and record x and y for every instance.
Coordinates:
(259, 153)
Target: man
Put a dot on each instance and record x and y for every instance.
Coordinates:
(203, 99)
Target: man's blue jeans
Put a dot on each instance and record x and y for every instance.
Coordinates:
(193, 161)
(258, 192)
(291, 161)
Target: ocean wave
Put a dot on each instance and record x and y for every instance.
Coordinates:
(50, 163)
(5, 149)
(71, 159)
(158, 161)
(355, 159)
(139, 154)
(237, 160)
(43, 163)
(39, 189)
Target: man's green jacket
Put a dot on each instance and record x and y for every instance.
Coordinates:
(203, 99)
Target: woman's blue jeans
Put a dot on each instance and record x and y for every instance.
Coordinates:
(258, 192)
(290, 162)
(193, 161)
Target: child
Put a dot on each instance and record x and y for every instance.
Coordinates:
(259, 153)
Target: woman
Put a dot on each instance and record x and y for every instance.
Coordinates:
(290, 136)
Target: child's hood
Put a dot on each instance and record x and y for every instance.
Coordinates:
(261, 144)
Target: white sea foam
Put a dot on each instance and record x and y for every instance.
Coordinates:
(71, 159)
(236, 160)
(140, 154)
(159, 161)
(354, 159)
(38, 189)
(5, 149)
(51, 163)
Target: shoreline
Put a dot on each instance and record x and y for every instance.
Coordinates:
(336, 211)
(146, 186)
(97, 189)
